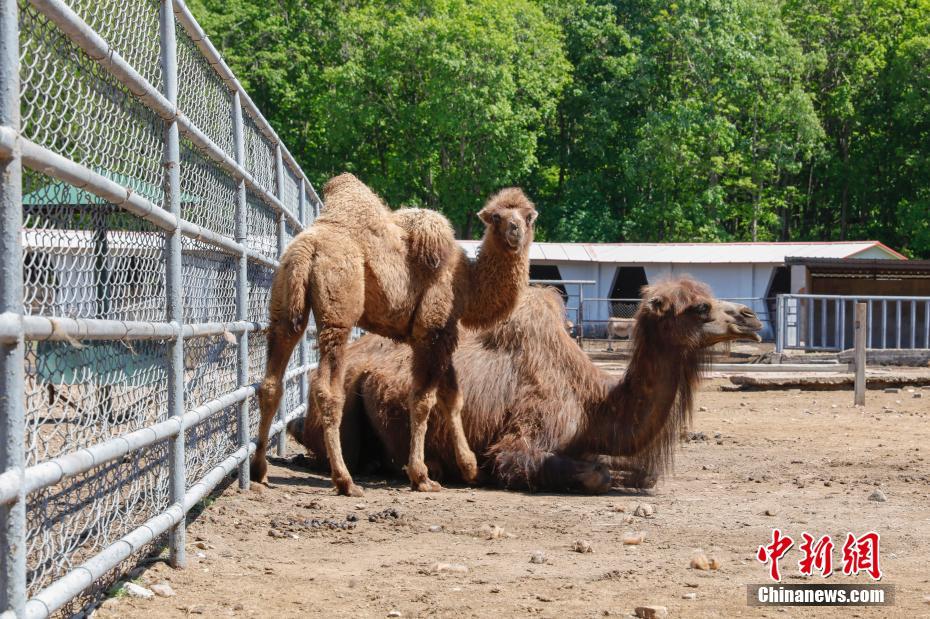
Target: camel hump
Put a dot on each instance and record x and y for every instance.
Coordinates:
(341, 181)
(349, 200)
(430, 238)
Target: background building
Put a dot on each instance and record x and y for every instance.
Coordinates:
(753, 273)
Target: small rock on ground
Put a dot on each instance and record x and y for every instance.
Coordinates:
(162, 589)
(689, 596)
(538, 557)
(436, 528)
(394, 613)
(138, 591)
(488, 531)
(700, 561)
(633, 539)
(878, 496)
(645, 510)
(448, 568)
(651, 612)
(583, 546)
(891, 390)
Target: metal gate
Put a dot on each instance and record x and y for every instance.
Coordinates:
(827, 322)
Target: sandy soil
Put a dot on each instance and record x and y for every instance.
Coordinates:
(811, 459)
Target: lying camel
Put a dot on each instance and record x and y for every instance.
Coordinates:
(399, 274)
(537, 411)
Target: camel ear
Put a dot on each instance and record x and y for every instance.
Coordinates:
(659, 305)
(531, 218)
(488, 216)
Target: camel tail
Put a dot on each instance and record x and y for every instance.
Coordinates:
(430, 238)
(291, 287)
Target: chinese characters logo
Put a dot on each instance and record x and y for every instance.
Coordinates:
(859, 554)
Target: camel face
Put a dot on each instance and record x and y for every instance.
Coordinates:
(727, 321)
(509, 217)
(686, 311)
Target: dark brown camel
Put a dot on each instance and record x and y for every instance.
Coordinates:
(399, 274)
(537, 411)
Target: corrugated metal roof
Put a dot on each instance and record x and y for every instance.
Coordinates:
(694, 253)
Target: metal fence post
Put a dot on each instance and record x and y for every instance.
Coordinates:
(859, 358)
(12, 372)
(780, 326)
(242, 288)
(279, 176)
(174, 278)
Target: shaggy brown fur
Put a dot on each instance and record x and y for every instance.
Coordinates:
(400, 275)
(537, 411)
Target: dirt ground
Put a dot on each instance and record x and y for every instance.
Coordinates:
(810, 459)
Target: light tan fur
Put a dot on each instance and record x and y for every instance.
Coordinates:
(401, 275)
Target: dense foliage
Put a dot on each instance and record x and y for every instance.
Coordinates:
(636, 120)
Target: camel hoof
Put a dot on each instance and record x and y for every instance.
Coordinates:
(469, 471)
(350, 490)
(470, 474)
(258, 471)
(596, 480)
(427, 485)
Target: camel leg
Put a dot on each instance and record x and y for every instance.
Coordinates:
(431, 359)
(450, 402)
(328, 393)
(281, 342)
(516, 464)
(557, 472)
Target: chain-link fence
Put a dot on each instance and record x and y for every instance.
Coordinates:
(144, 201)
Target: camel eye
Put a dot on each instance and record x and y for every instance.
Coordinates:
(701, 308)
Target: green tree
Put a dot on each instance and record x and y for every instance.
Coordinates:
(440, 103)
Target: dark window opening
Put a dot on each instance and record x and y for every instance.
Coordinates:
(548, 271)
(628, 282)
(780, 284)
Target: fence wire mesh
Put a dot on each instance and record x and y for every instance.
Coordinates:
(94, 396)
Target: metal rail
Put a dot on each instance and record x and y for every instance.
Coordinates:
(145, 204)
(827, 322)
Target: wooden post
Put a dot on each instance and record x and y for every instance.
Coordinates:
(859, 356)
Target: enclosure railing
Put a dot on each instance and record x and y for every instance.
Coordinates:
(827, 322)
(144, 202)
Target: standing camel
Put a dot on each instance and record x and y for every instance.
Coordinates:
(537, 411)
(399, 274)
(617, 328)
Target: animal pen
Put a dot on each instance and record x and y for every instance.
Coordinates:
(145, 201)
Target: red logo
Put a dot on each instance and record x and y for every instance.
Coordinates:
(860, 554)
(774, 551)
(817, 556)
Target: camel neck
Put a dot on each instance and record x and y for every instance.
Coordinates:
(497, 278)
(643, 412)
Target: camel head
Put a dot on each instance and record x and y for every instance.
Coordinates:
(686, 311)
(509, 217)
